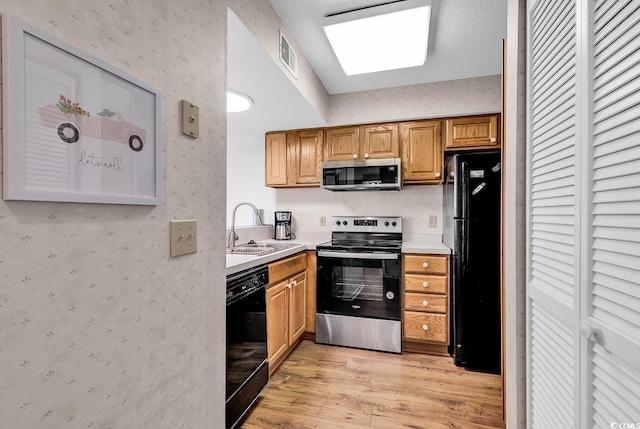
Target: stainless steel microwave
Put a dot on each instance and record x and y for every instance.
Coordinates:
(362, 175)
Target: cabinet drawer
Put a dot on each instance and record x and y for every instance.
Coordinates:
(425, 327)
(426, 264)
(425, 302)
(287, 267)
(425, 283)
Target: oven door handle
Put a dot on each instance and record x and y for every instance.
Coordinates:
(363, 255)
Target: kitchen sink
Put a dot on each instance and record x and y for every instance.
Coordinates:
(257, 249)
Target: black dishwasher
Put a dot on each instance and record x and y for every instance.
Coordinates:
(247, 370)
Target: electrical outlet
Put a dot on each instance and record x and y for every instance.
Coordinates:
(184, 237)
(433, 221)
(323, 221)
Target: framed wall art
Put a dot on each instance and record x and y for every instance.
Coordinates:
(75, 128)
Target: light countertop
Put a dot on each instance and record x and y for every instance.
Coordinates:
(416, 243)
(236, 263)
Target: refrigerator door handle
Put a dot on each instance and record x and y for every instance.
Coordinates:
(464, 247)
(463, 177)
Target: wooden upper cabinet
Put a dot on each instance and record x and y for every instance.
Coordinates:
(472, 132)
(380, 141)
(366, 142)
(342, 143)
(292, 159)
(421, 152)
(306, 156)
(276, 159)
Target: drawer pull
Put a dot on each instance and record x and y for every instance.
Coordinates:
(425, 303)
(425, 284)
(425, 327)
(425, 264)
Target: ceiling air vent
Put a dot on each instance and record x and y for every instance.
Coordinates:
(288, 56)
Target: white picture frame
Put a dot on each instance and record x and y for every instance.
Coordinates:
(76, 129)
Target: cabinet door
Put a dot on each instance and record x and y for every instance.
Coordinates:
(297, 307)
(311, 291)
(277, 320)
(276, 159)
(341, 143)
(472, 132)
(307, 156)
(422, 152)
(380, 141)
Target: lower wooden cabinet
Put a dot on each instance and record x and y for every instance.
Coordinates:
(425, 321)
(311, 293)
(286, 309)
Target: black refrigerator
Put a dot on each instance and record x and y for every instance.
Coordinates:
(472, 192)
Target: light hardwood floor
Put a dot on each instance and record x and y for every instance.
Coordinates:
(321, 386)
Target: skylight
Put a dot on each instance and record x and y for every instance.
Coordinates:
(386, 37)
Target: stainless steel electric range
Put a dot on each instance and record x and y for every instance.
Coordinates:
(358, 284)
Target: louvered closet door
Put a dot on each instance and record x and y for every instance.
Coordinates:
(553, 220)
(584, 214)
(615, 254)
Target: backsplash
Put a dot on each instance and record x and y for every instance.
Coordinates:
(413, 203)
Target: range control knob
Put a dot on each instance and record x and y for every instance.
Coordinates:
(344, 222)
(338, 222)
(386, 223)
(393, 223)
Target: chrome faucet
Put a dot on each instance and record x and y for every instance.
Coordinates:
(231, 242)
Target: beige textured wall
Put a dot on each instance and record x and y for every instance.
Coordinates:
(413, 203)
(99, 328)
(430, 100)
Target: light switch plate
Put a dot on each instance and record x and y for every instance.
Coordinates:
(190, 119)
(433, 221)
(184, 237)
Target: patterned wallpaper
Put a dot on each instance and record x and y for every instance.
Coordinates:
(99, 328)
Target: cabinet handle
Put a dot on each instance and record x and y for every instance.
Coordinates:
(425, 327)
(366, 155)
(355, 156)
(437, 174)
(289, 285)
(295, 282)
(493, 139)
(425, 264)
(425, 303)
(425, 284)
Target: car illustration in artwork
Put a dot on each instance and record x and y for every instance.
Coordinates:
(71, 121)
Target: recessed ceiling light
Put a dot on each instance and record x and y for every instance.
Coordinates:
(238, 102)
(386, 37)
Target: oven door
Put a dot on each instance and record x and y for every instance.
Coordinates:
(358, 284)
